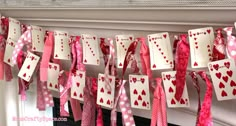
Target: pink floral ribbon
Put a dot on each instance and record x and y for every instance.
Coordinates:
(205, 118)
(219, 46)
(182, 55)
(231, 43)
(159, 106)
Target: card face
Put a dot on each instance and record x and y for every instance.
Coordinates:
(223, 75)
(53, 75)
(169, 81)
(160, 51)
(139, 91)
(90, 49)
(37, 38)
(78, 84)
(14, 34)
(28, 66)
(201, 45)
(61, 46)
(122, 44)
(105, 97)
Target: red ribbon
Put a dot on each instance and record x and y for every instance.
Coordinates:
(219, 46)
(2, 51)
(182, 55)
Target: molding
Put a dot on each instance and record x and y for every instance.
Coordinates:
(170, 19)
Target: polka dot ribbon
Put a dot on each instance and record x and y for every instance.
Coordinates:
(182, 55)
(122, 98)
(159, 106)
(231, 43)
(219, 46)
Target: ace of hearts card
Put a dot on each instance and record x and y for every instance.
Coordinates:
(53, 75)
(122, 44)
(105, 97)
(14, 33)
(169, 81)
(160, 51)
(61, 46)
(37, 38)
(28, 66)
(139, 91)
(223, 75)
(90, 49)
(201, 45)
(78, 84)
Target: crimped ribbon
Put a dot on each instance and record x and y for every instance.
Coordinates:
(219, 46)
(205, 118)
(182, 55)
(159, 106)
(231, 43)
(197, 86)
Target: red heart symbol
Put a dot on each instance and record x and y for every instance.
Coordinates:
(152, 38)
(191, 35)
(227, 64)
(143, 92)
(164, 35)
(102, 90)
(34, 48)
(142, 80)
(108, 92)
(144, 104)
(208, 46)
(154, 66)
(80, 75)
(173, 82)
(50, 84)
(136, 102)
(208, 31)
(221, 85)
(28, 67)
(195, 64)
(130, 38)
(102, 78)
(24, 75)
(230, 72)
(234, 92)
(94, 38)
(50, 66)
(56, 55)
(134, 79)
(209, 50)
(223, 93)
(173, 101)
(135, 91)
(196, 47)
(195, 39)
(140, 98)
(232, 83)
(216, 66)
(218, 75)
(55, 67)
(85, 61)
(162, 53)
(110, 79)
(56, 86)
(155, 42)
(108, 102)
(164, 57)
(171, 90)
(159, 49)
(194, 34)
(167, 61)
(80, 95)
(225, 78)
(78, 84)
(120, 64)
(8, 60)
(168, 77)
(101, 100)
(32, 58)
(182, 101)
(75, 94)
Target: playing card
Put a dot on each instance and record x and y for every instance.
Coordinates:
(28, 66)
(122, 44)
(169, 81)
(201, 45)
(139, 91)
(90, 49)
(37, 38)
(14, 34)
(78, 84)
(105, 97)
(223, 75)
(160, 51)
(61, 46)
(53, 75)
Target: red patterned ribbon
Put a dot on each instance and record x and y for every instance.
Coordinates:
(205, 118)
(182, 55)
(219, 46)
(231, 43)
(159, 106)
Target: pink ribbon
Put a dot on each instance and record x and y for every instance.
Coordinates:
(182, 55)
(231, 43)
(159, 106)
(205, 118)
(219, 46)
(2, 51)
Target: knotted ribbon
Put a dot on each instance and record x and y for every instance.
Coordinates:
(219, 46)
(205, 118)
(231, 43)
(182, 55)
(159, 106)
